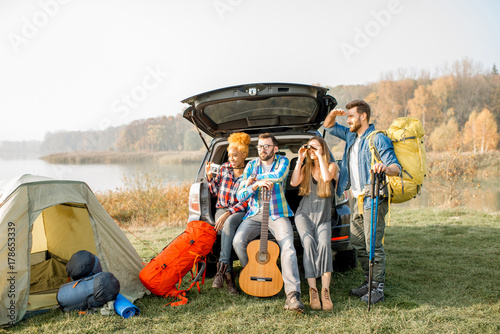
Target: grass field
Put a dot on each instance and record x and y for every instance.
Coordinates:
(443, 276)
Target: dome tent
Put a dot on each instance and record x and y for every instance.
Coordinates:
(43, 222)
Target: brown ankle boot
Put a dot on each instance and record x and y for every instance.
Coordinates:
(231, 286)
(314, 299)
(219, 276)
(325, 299)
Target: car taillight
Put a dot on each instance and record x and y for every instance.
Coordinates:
(194, 198)
(345, 237)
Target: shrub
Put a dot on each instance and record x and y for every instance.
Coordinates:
(452, 174)
(147, 200)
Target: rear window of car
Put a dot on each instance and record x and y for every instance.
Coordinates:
(288, 147)
(283, 106)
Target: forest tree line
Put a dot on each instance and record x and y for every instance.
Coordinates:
(166, 133)
(459, 108)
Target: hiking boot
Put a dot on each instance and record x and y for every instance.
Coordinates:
(314, 299)
(361, 291)
(293, 302)
(325, 299)
(377, 293)
(219, 277)
(231, 287)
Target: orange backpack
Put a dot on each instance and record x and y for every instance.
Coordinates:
(182, 255)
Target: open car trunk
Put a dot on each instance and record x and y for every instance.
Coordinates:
(255, 108)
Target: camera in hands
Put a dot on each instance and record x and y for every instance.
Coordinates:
(214, 168)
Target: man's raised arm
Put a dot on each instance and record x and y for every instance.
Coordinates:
(330, 118)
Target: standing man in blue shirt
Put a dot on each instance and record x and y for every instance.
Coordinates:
(355, 173)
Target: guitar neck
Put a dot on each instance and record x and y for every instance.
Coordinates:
(264, 228)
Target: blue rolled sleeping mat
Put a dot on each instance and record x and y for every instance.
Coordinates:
(83, 264)
(124, 308)
(90, 292)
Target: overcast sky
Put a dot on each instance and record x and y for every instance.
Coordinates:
(89, 64)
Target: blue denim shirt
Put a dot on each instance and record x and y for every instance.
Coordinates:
(383, 145)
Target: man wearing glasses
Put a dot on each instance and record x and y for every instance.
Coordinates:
(269, 171)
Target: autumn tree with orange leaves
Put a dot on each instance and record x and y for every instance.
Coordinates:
(480, 132)
(389, 101)
(445, 137)
(426, 107)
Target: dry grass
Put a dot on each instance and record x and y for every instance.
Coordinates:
(147, 201)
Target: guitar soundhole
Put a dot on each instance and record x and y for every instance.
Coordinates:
(262, 258)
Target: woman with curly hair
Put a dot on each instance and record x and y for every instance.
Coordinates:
(230, 212)
(317, 176)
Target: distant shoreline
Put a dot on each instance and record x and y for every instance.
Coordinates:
(110, 157)
(487, 162)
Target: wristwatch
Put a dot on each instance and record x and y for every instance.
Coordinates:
(253, 176)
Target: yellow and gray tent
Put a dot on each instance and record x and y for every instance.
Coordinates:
(42, 223)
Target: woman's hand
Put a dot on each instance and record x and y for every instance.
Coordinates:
(208, 172)
(316, 152)
(222, 219)
(302, 154)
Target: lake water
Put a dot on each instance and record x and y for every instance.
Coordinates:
(102, 177)
(99, 177)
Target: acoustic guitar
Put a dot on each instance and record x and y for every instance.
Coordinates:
(261, 277)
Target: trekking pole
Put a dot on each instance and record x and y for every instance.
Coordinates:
(370, 270)
(379, 178)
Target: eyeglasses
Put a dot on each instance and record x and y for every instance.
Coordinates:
(264, 147)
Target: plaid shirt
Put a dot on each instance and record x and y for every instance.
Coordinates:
(278, 207)
(224, 186)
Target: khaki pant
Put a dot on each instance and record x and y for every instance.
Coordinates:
(360, 238)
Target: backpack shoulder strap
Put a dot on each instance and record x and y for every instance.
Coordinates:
(180, 295)
(371, 144)
(377, 158)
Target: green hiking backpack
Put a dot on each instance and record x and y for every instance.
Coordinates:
(407, 135)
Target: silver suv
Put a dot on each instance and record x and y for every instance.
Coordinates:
(293, 113)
